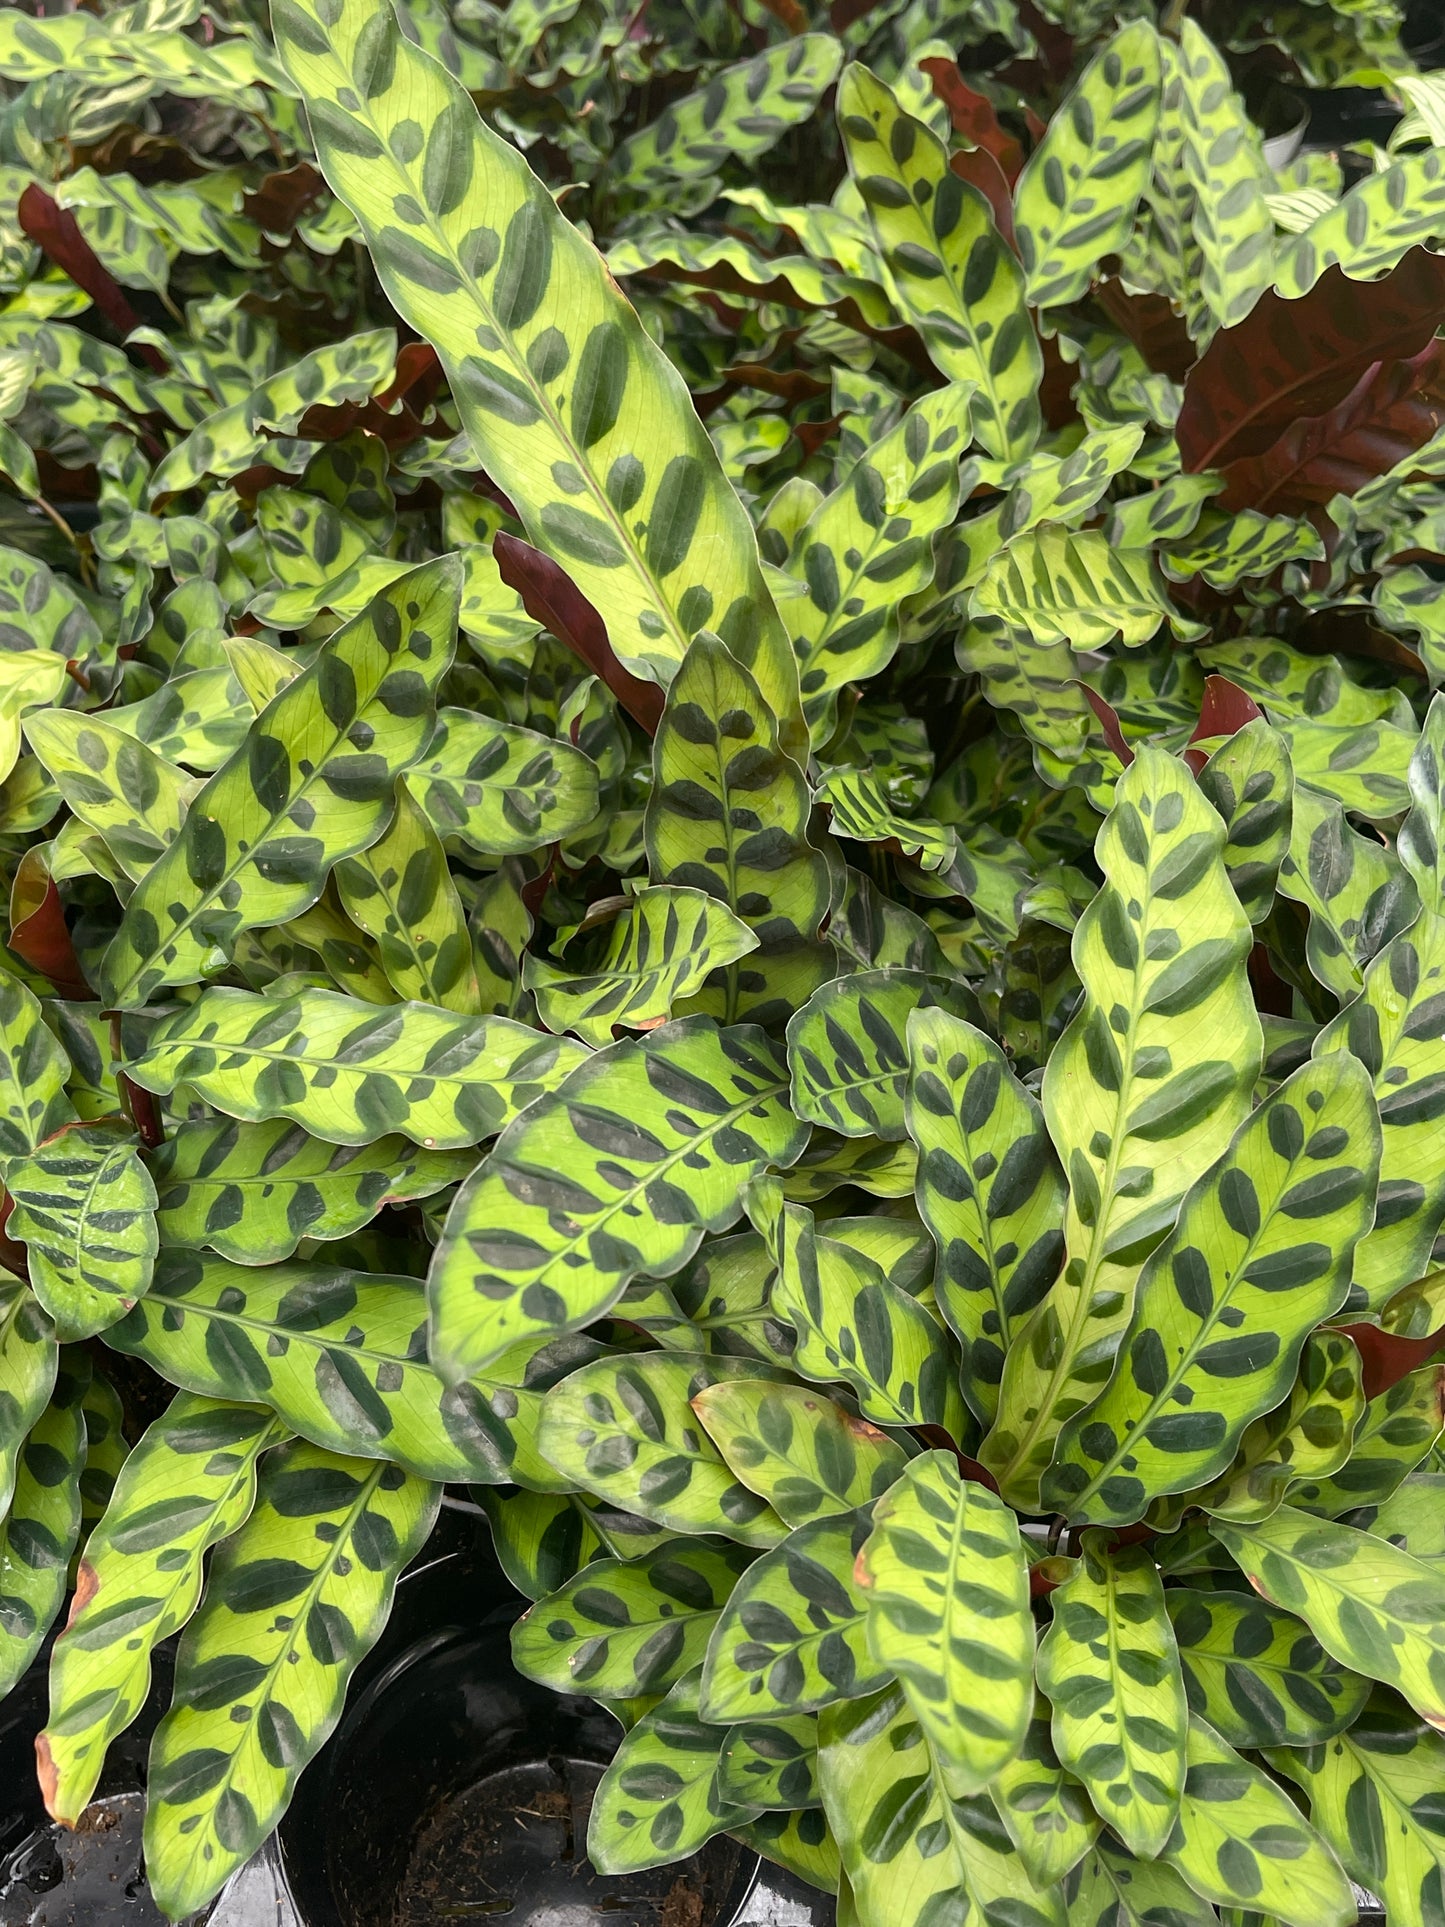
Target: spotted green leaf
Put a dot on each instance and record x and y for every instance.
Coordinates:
(623, 1429)
(117, 783)
(1260, 1255)
(1372, 227)
(1062, 586)
(958, 282)
(311, 784)
(947, 1588)
(400, 892)
(854, 1324)
(1044, 1809)
(252, 1192)
(541, 1539)
(85, 1209)
(1037, 681)
(660, 948)
(38, 1532)
(771, 1764)
(294, 1600)
(989, 1189)
(29, 1359)
(569, 405)
(347, 1071)
(1115, 1890)
(1239, 1840)
(1110, 1667)
(913, 1856)
(659, 1799)
(801, 1451)
(848, 1050)
(42, 611)
(1249, 781)
(33, 1072)
(621, 1170)
(621, 1628)
(1309, 1436)
(339, 1354)
(1412, 1517)
(1374, 1793)
(1223, 163)
(859, 809)
(1137, 1112)
(1371, 1605)
(869, 544)
(189, 1482)
(1396, 1028)
(1355, 891)
(1256, 1674)
(802, 1843)
(501, 789)
(106, 1451)
(1075, 200)
(1395, 1432)
(793, 1635)
(728, 815)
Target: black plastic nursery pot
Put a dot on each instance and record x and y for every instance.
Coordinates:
(452, 1790)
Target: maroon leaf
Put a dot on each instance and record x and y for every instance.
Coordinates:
(38, 930)
(979, 168)
(1224, 709)
(56, 232)
(1387, 1359)
(1293, 358)
(973, 115)
(1383, 419)
(1109, 722)
(283, 197)
(13, 1255)
(551, 597)
(1152, 325)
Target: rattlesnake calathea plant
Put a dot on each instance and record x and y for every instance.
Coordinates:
(791, 922)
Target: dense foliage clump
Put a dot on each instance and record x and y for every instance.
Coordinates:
(723, 815)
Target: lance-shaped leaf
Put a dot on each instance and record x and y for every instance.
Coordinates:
(339, 1355)
(29, 1358)
(1371, 1605)
(854, 1323)
(989, 1188)
(252, 1192)
(85, 1210)
(1395, 1432)
(859, 808)
(1384, 217)
(1045, 1810)
(1110, 1667)
(869, 544)
(106, 1451)
(33, 1072)
(1355, 891)
(622, 1628)
(113, 781)
(771, 1764)
(1260, 1255)
(1249, 781)
(621, 1170)
(659, 1799)
(848, 1047)
(801, 1451)
(956, 279)
(1038, 682)
(1256, 1674)
(728, 815)
(947, 1587)
(1421, 841)
(623, 1428)
(1116, 1890)
(1307, 1437)
(1375, 1796)
(793, 1636)
(38, 1533)
(189, 1482)
(1239, 1840)
(660, 949)
(1139, 1111)
(347, 1071)
(1058, 586)
(401, 893)
(742, 112)
(550, 367)
(1221, 158)
(312, 783)
(1075, 200)
(296, 1598)
(501, 788)
(913, 1856)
